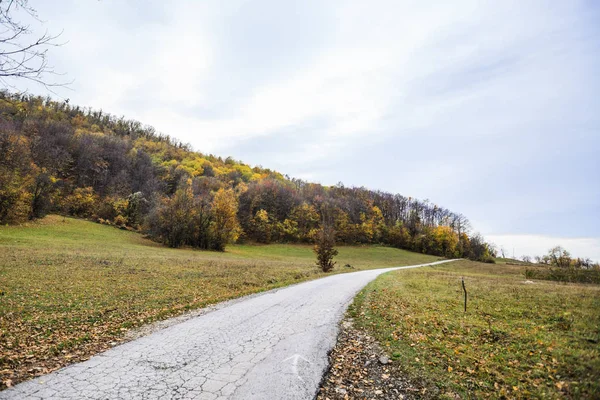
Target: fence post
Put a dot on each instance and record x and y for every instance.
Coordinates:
(465, 290)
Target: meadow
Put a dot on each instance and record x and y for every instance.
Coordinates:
(70, 288)
(518, 338)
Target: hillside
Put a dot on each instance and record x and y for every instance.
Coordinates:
(64, 159)
(71, 288)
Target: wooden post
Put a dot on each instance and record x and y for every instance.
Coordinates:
(465, 290)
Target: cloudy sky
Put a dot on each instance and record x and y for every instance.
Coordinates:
(487, 108)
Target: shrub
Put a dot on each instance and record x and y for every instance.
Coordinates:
(564, 274)
(82, 202)
(325, 249)
(120, 220)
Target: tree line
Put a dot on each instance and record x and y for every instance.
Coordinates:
(561, 258)
(56, 157)
(559, 265)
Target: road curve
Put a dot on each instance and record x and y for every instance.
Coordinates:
(271, 346)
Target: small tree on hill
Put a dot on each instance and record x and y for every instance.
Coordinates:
(325, 248)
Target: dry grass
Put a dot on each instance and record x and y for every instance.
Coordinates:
(517, 340)
(71, 288)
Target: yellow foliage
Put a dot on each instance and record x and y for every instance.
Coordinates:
(194, 166)
(225, 227)
(82, 202)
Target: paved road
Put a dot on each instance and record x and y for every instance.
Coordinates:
(271, 346)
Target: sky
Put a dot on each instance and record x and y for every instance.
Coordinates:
(490, 109)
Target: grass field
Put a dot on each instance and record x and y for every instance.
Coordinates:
(71, 287)
(517, 339)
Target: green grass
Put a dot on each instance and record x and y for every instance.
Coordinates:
(501, 260)
(70, 287)
(517, 340)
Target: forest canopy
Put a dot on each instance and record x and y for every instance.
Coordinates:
(59, 158)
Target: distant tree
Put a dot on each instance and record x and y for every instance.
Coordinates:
(143, 174)
(503, 251)
(397, 236)
(559, 257)
(224, 227)
(208, 170)
(372, 224)
(202, 222)
(464, 245)
(526, 259)
(446, 241)
(290, 230)
(325, 248)
(136, 208)
(23, 56)
(172, 221)
(82, 202)
(480, 250)
(41, 193)
(539, 260)
(262, 226)
(345, 231)
(306, 218)
(15, 176)
(50, 143)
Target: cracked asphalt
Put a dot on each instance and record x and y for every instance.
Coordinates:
(271, 346)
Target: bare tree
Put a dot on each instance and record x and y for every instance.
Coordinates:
(23, 55)
(503, 251)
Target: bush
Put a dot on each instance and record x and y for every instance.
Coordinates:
(324, 247)
(82, 202)
(120, 220)
(564, 274)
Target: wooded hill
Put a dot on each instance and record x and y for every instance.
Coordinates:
(55, 157)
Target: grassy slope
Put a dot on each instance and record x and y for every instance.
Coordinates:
(500, 260)
(517, 340)
(71, 286)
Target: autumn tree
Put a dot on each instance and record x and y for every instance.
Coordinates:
(261, 226)
(559, 257)
(325, 248)
(174, 216)
(480, 250)
(136, 208)
(82, 202)
(343, 227)
(15, 176)
(224, 227)
(41, 194)
(371, 225)
(446, 242)
(306, 218)
(397, 236)
(203, 218)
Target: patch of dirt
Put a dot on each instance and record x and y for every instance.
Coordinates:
(360, 369)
